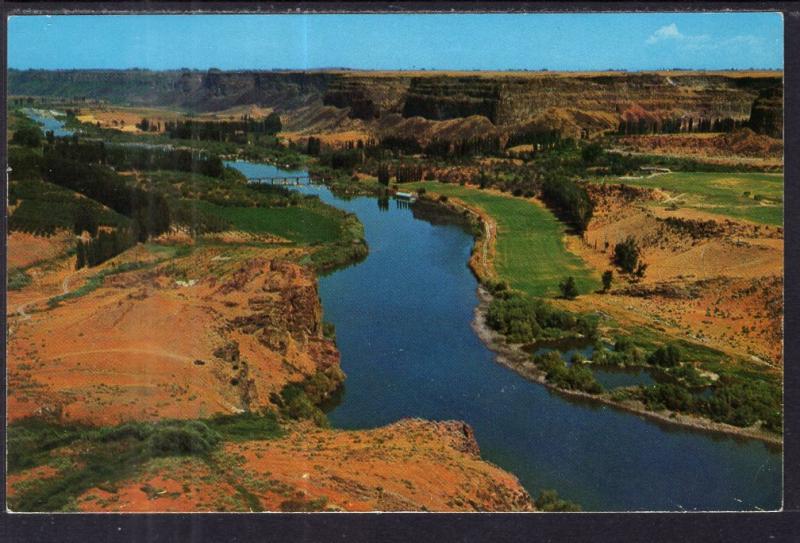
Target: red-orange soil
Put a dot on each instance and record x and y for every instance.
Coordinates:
(410, 465)
(221, 330)
(708, 279)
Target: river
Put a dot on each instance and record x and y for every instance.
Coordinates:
(403, 325)
(49, 121)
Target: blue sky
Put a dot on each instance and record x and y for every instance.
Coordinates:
(631, 41)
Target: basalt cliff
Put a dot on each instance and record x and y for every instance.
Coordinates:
(575, 104)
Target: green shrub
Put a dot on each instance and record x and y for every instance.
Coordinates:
(575, 377)
(669, 396)
(743, 403)
(192, 437)
(296, 404)
(523, 319)
(300, 505)
(246, 426)
(18, 279)
(568, 288)
(626, 254)
(549, 501)
(129, 430)
(666, 356)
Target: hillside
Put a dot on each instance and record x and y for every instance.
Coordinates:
(160, 376)
(577, 104)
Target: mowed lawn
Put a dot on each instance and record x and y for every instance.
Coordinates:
(724, 193)
(530, 252)
(298, 224)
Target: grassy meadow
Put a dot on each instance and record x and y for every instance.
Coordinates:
(756, 197)
(298, 224)
(530, 252)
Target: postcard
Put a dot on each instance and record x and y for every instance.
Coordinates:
(444, 262)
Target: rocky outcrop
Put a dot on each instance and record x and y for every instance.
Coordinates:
(577, 105)
(441, 98)
(367, 98)
(198, 348)
(766, 115)
(411, 465)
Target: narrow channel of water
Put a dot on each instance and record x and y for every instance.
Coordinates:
(49, 121)
(608, 376)
(403, 320)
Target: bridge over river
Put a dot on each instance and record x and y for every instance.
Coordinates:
(294, 180)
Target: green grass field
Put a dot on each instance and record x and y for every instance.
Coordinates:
(530, 253)
(724, 193)
(298, 224)
(44, 208)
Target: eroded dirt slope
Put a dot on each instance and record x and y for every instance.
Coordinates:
(708, 278)
(410, 465)
(162, 333)
(146, 345)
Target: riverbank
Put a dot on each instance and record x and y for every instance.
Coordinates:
(515, 358)
(410, 368)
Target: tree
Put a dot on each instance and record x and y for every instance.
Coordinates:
(608, 277)
(80, 251)
(668, 356)
(29, 137)
(383, 175)
(313, 146)
(568, 288)
(84, 220)
(626, 254)
(591, 153)
(570, 199)
(273, 125)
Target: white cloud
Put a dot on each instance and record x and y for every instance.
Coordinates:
(702, 41)
(668, 32)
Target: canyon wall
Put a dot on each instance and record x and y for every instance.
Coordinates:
(578, 105)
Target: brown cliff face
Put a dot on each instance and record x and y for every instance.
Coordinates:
(411, 465)
(573, 103)
(200, 336)
(766, 116)
(145, 346)
(367, 98)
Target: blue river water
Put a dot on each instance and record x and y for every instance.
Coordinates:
(403, 324)
(609, 377)
(48, 122)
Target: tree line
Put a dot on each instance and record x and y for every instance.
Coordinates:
(569, 199)
(130, 157)
(235, 131)
(103, 246)
(644, 125)
(148, 210)
(523, 319)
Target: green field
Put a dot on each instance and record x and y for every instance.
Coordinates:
(298, 224)
(724, 193)
(44, 208)
(530, 254)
